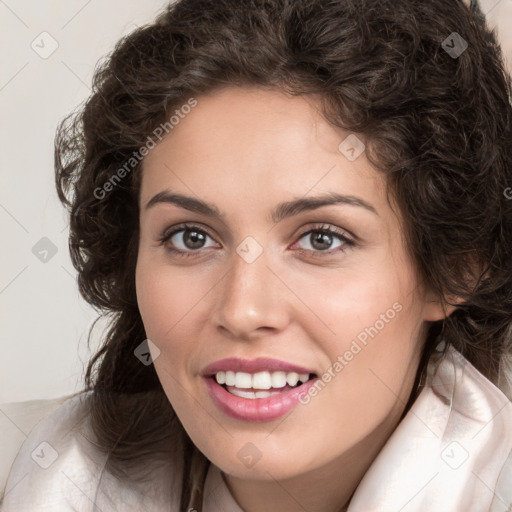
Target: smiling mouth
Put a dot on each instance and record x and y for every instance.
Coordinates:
(261, 384)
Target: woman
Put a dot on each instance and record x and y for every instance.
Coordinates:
(297, 214)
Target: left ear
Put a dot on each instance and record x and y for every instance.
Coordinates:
(435, 310)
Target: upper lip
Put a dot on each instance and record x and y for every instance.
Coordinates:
(261, 364)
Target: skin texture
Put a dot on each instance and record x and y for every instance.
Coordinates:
(246, 150)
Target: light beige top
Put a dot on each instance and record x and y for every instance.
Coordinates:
(451, 452)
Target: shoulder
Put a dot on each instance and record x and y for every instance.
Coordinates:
(60, 468)
(452, 450)
(17, 419)
(55, 464)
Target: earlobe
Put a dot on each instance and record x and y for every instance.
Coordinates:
(435, 310)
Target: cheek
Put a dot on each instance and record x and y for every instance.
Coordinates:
(173, 306)
(371, 305)
(167, 298)
(375, 320)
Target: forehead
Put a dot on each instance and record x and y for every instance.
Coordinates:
(257, 144)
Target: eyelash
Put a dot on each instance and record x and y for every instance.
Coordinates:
(325, 229)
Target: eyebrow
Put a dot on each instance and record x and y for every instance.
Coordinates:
(280, 212)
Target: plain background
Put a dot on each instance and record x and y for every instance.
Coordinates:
(43, 320)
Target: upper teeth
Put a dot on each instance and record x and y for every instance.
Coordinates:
(260, 380)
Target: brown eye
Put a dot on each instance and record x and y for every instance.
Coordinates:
(192, 238)
(321, 239)
(185, 239)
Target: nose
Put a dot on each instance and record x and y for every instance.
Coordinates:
(252, 300)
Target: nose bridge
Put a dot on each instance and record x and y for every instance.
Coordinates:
(250, 297)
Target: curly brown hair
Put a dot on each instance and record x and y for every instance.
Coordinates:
(439, 125)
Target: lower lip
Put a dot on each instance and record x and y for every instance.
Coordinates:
(257, 409)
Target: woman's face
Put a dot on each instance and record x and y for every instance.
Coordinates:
(251, 299)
